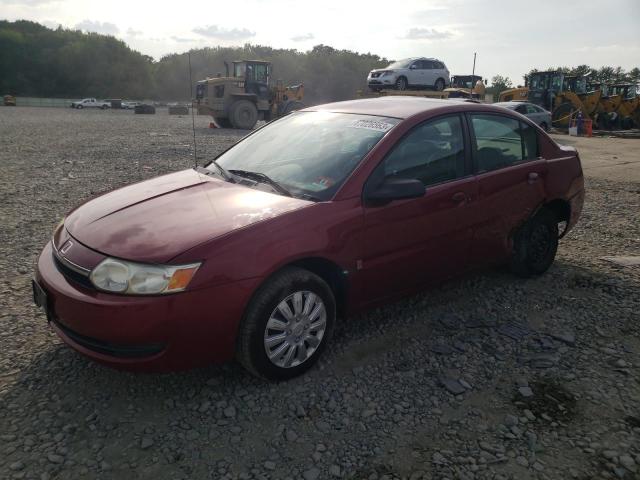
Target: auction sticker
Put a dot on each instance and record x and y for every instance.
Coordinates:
(377, 125)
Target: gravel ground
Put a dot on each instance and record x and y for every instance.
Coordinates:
(486, 377)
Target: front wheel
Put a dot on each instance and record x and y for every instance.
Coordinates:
(535, 244)
(223, 122)
(401, 83)
(79, 107)
(244, 114)
(287, 325)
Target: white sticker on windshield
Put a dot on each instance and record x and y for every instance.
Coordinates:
(376, 125)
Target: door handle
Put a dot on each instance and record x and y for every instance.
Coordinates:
(459, 198)
(533, 177)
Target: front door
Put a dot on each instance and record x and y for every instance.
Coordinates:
(408, 243)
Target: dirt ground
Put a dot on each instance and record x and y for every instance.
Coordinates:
(609, 158)
(486, 377)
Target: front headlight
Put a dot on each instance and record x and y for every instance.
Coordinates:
(387, 73)
(119, 276)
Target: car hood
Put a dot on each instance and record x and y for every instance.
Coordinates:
(155, 220)
(382, 70)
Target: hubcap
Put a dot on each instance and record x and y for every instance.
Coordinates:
(295, 329)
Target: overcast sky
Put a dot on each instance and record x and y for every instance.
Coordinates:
(509, 37)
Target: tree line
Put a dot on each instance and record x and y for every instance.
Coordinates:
(39, 61)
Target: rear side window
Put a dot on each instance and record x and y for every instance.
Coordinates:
(427, 65)
(432, 153)
(439, 65)
(532, 109)
(502, 141)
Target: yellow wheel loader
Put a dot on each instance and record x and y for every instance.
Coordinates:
(241, 99)
(625, 102)
(514, 95)
(563, 95)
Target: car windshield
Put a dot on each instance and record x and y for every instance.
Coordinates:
(308, 153)
(401, 63)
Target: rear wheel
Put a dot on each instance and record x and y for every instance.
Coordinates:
(287, 325)
(244, 114)
(544, 126)
(535, 244)
(439, 85)
(401, 83)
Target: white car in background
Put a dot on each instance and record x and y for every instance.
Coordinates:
(410, 73)
(130, 105)
(91, 103)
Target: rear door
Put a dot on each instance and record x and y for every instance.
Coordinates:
(429, 72)
(510, 176)
(412, 242)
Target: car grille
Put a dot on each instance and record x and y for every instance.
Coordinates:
(71, 274)
(111, 349)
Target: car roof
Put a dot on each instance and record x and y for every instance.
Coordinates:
(513, 103)
(387, 106)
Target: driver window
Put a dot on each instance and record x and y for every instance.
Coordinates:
(432, 153)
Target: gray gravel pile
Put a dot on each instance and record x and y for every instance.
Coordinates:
(486, 377)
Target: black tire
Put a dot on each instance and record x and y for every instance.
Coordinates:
(439, 86)
(561, 115)
(79, 107)
(243, 114)
(401, 83)
(251, 349)
(535, 244)
(544, 126)
(103, 107)
(223, 122)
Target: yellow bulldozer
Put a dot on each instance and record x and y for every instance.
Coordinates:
(241, 99)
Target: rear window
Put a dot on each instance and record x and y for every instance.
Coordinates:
(502, 141)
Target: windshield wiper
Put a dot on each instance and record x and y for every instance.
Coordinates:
(262, 178)
(221, 171)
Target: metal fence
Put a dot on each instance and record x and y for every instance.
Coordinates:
(44, 102)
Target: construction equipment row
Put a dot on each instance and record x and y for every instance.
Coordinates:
(568, 97)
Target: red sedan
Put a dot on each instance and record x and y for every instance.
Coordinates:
(324, 212)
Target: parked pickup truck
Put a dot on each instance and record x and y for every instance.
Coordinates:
(91, 103)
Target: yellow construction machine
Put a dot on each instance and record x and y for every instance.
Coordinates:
(514, 94)
(239, 101)
(466, 86)
(563, 95)
(620, 108)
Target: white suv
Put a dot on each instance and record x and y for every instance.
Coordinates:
(410, 72)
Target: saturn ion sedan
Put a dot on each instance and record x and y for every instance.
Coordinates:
(325, 212)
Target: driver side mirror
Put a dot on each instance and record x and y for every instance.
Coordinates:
(413, 67)
(395, 189)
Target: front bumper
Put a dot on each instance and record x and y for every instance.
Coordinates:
(147, 333)
(381, 82)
